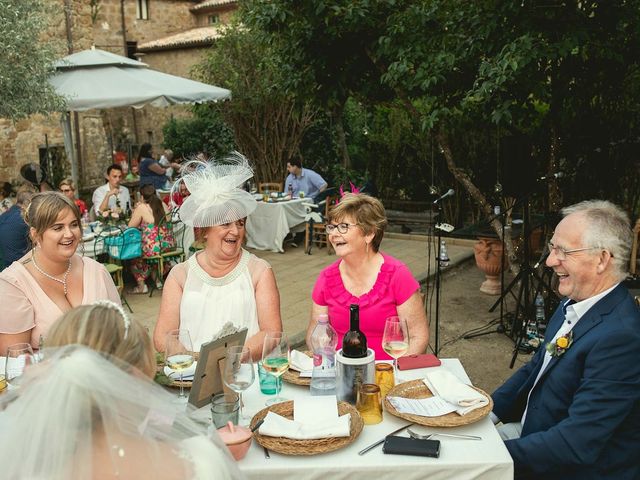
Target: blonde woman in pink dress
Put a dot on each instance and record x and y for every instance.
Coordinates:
(51, 278)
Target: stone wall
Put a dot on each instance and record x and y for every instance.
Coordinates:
(100, 131)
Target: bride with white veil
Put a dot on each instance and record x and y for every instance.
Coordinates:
(83, 414)
(79, 416)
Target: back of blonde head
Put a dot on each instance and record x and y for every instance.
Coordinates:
(102, 327)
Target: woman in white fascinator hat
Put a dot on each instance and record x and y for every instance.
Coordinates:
(222, 283)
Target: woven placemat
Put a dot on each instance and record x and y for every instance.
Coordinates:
(293, 376)
(290, 446)
(418, 389)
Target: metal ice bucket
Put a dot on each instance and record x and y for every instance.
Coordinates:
(353, 372)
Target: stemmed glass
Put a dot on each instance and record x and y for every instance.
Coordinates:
(178, 355)
(395, 340)
(275, 360)
(19, 357)
(238, 372)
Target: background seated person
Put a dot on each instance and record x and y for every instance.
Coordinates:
(381, 285)
(6, 202)
(222, 283)
(303, 180)
(14, 231)
(111, 195)
(157, 235)
(68, 189)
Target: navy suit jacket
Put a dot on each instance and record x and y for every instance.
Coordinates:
(583, 420)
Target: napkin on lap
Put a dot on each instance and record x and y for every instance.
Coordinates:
(446, 385)
(300, 362)
(305, 426)
(187, 373)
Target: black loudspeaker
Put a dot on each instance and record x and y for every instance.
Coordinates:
(518, 165)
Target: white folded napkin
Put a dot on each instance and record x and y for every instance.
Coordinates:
(314, 417)
(300, 361)
(187, 373)
(446, 385)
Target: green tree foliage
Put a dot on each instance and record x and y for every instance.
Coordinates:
(205, 132)
(268, 120)
(27, 60)
(564, 74)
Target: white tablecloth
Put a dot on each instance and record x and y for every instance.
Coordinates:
(271, 222)
(459, 459)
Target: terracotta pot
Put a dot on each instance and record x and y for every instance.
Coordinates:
(488, 253)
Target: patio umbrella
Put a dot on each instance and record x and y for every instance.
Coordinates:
(99, 79)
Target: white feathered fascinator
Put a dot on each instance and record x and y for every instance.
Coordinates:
(216, 197)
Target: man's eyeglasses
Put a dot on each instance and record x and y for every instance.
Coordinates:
(562, 254)
(341, 227)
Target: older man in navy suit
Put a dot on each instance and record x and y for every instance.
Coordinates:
(573, 411)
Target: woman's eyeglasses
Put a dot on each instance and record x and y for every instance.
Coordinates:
(341, 227)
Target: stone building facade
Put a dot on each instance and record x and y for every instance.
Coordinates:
(169, 35)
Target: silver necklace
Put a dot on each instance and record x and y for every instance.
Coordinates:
(64, 276)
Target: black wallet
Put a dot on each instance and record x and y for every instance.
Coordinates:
(411, 446)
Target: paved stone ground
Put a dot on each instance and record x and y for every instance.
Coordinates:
(463, 307)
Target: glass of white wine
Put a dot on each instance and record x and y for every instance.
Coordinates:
(178, 355)
(395, 340)
(275, 359)
(238, 372)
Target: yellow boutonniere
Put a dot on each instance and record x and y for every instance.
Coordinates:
(561, 345)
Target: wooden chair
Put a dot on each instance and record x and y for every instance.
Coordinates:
(316, 222)
(269, 186)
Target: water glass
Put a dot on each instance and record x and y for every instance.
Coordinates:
(19, 357)
(225, 408)
(268, 382)
(369, 403)
(384, 378)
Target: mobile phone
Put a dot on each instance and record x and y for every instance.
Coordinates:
(411, 446)
(409, 362)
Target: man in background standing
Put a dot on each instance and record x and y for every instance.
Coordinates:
(14, 232)
(303, 180)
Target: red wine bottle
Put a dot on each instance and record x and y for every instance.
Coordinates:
(354, 343)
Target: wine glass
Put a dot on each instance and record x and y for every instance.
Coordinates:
(275, 359)
(19, 357)
(238, 372)
(178, 355)
(395, 340)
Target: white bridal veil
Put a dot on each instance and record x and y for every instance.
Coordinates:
(78, 415)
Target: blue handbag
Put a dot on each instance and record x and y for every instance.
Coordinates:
(126, 245)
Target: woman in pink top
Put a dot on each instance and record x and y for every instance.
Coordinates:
(381, 285)
(50, 279)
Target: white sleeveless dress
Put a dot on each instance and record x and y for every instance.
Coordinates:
(208, 303)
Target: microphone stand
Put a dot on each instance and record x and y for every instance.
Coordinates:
(438, 277)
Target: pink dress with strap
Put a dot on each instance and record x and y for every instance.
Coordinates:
(394, 286)
(27, 307)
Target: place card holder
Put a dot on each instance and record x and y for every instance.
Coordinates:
(207, 380)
